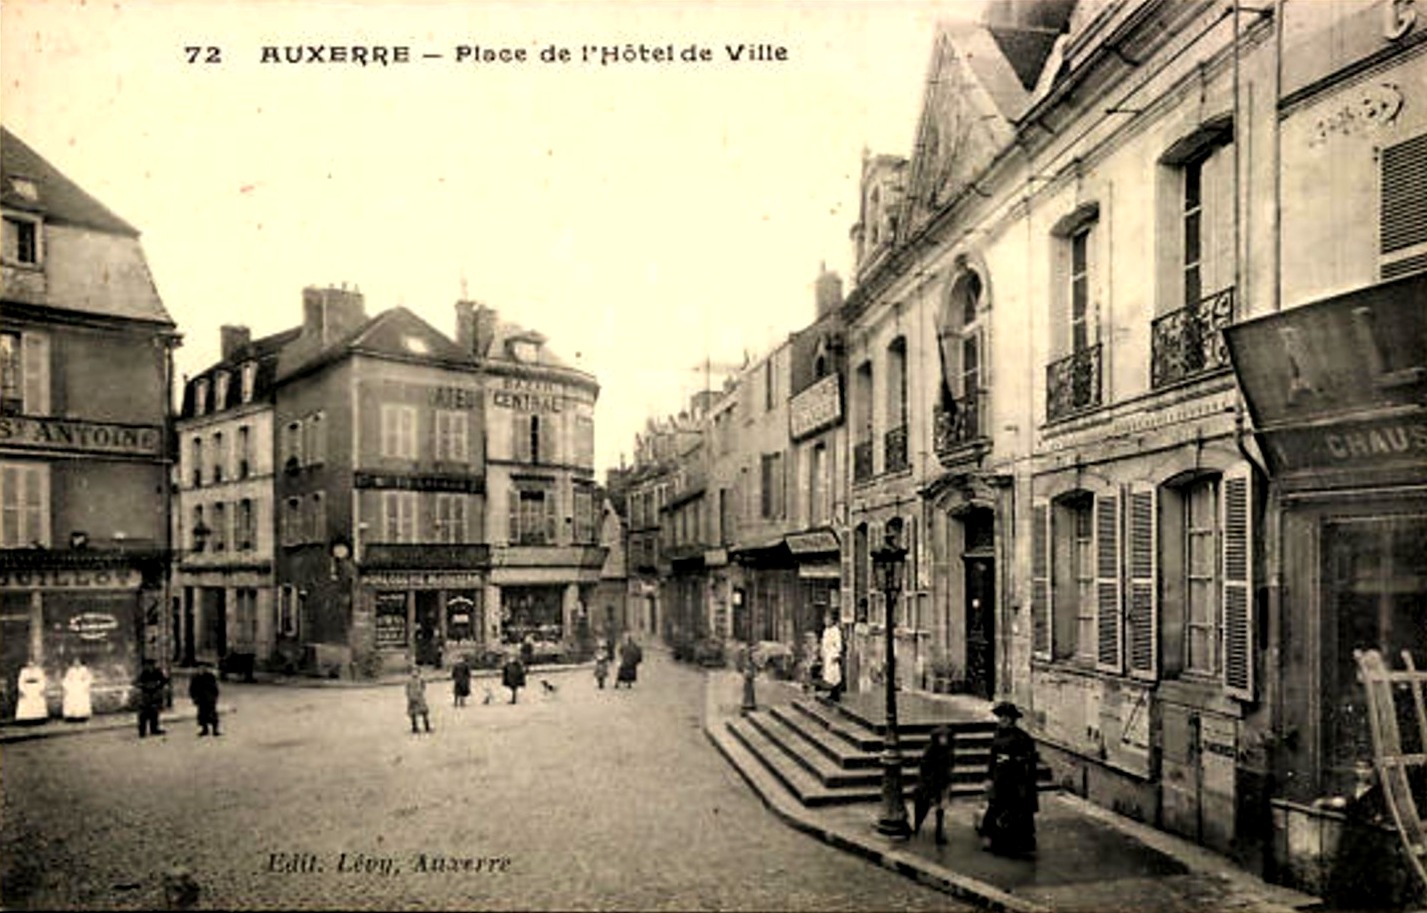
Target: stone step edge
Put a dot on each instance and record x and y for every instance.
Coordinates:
(807, 789)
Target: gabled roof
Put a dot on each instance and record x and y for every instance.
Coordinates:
(396, 332)
(56, 197)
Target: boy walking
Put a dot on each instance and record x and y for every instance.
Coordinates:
(416, 700)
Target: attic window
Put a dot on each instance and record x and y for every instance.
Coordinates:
(415, 344)
(25, 188)
(525, 350)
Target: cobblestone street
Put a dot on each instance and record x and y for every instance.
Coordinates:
(321, 797)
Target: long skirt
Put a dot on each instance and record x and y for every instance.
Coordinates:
(628, 672)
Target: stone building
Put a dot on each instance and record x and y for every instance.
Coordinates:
(85, 362)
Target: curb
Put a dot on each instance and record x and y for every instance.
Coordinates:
(387, 681)
(889, 857)
(109, 722)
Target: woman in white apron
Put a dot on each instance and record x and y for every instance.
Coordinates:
(31, 706)
(832, 656)
(77, 682)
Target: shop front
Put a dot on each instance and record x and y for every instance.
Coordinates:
(55, 607)
(427, 616)
(1343, 428)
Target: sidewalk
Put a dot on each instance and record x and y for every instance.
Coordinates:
(1089, 858)
(182, 712)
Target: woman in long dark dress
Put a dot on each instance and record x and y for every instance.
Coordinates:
(1008, 826)
(629, 658)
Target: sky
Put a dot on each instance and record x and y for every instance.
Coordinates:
(643, 215)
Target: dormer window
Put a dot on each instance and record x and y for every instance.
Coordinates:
(220, 391)
(415, 345)
(25, 188)
(200, 397)
(249, 379)
(525, 350)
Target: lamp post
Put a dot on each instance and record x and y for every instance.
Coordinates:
(890, 560)
(750, 701)
(201, 532)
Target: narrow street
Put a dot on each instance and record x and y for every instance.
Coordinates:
(322, 798)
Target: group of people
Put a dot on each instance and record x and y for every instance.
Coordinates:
(76, 705)
(153, 684)
(513, 677)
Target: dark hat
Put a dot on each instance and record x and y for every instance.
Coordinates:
(1007, 709)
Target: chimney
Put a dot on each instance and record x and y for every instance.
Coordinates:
(232, 338)
(485, 320)
(330, 313)
(466, 325)
(827, 292)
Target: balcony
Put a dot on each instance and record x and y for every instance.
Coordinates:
(862, 461)
(1072, 384)
(1188, 342)
(431, 556)
(894, 449)
(958, 424)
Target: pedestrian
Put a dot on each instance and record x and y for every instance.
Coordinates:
(152, 683)
(203, 691)
(461, 680)
(31, 707)
(513, 675)
(416, 699)
(77, 683)
(1008, 825)
(933, 779)
(527, 649)
(832, 657)
(630, 656)
(601, 663)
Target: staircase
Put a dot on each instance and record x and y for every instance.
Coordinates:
(828, 753)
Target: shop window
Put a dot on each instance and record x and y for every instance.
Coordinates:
(24, 373)
(1375, 598)
(24, 505)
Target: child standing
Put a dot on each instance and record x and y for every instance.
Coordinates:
(416, 700)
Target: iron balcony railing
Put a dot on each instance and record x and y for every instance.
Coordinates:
(1188, 341)
(894, 449)
(958, 422)
(1073, 383)
(862, 461)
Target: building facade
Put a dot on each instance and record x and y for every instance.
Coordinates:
(85, 362)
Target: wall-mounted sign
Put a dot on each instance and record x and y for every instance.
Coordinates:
(474, 485)
(93, 625)
(425, 579)
(1380, 442)
(813, 542)
(73, 435)
(70, 579)
(816, 408)
(455, 397)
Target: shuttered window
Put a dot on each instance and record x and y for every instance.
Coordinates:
(24, 374)
(1237, 578)
(1040, 579)
(1142, 615)
(1109, 649)
(1402, 225)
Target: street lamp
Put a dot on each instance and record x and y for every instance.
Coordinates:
(201, 532)
(889, 562)
(750, 702)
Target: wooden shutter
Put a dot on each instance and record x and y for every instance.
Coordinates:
(1109, 626)
(512, 498)
(1142, 609)
(1040, 579)
(35, 369)
(520, 437)
(1237, 576)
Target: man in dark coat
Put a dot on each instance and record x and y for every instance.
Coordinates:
(461, 681)
(513, 675)
(151, 683)
(203, 689)
(933, 778)
(1008, 826)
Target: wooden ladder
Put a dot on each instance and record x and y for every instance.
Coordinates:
(1392, 763)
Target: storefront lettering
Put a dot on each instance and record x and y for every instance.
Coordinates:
(426, 580)
(527, 402)
(816, 408)
(93, 625)
(454, 398)
(103, 579)
(1386, 440)
(66, 434)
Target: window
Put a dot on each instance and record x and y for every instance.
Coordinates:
(292, 531)
(24, 505)
(1402, 227)
(1072, 570)
(535, 439)
(200, 397)
(772, 504)
(219, 536)
(249, 380)
(22, 240)
(1080, 330)
(768, 385)
(245, 451)
(1189, 562)
(451, 517)
(584, 515)
(220, 456)
(532, 517)
(399, 516)
(220, 391)
(245, 527)
(818, 486)
(24, 373)
(200, 530)
(317, 521)
(451, 436)
(862, 419)
(315, 439)
(287, 613)
(292, 446)
(399, 431)
(894, 453)
(196, 449)
(584, 442)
